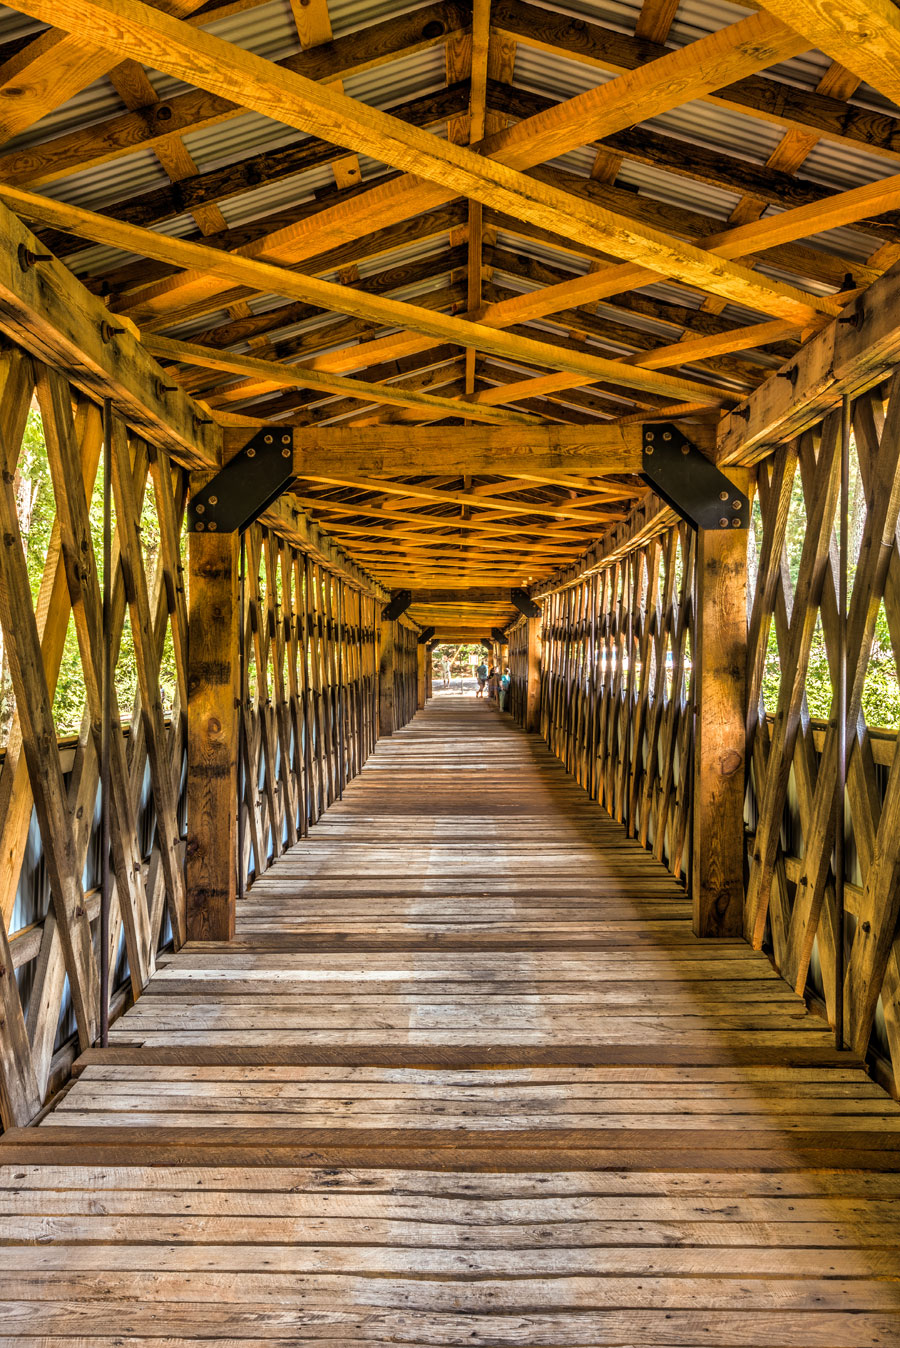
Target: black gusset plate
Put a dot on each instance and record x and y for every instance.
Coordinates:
(690, 482)
(399, 603)
(246, 486)
(524, 603)
(426, 634)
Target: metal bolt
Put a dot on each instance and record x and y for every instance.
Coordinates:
(201, 509)
(723, 524)
(213, 525)
(251, 453)
(667, 435)
(685, 449)
(267, 439)
(108, 332)
(649, 449)
(27, 258)
(213, 500)
(723, 495)
(199, 528)
(736, 523)
(649, 435)
(285, 453)
(285, 439)
(735, 505)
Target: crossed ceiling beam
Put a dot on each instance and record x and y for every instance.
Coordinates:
(138, 32)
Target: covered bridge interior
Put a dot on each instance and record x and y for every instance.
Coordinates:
(339, 1008)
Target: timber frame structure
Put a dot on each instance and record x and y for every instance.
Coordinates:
(394, 327)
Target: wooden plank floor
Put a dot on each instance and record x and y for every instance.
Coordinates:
(464, 1077)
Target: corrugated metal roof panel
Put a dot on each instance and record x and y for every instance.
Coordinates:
(97, 187)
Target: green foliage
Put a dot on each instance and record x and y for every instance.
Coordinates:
(37, 513)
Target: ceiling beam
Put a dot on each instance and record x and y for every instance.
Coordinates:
(126, 133)
(864, 35)
(167, 44)
(846, 357)
(391, 451)
(330, 295)
(294, 376)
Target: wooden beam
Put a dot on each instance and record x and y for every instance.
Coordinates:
(48, 311)
(533, 675)
(127, 133)
(863, 35)
(164, 43)
(719, 650)
(386, 667)
(365, 508)
(846, 357)
(267, 278)
(391, 451)
(772, 100)
(289, 376)
(462, 598)
(212, 714)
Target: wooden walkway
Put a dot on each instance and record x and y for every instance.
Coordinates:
(464, 1077)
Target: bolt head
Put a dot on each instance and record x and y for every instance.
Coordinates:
(201, 509)
(723, 495)
(251, 453)
(723, 523)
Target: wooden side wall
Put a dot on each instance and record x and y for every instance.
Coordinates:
(616, 688)
(308, 721)
(617, 697)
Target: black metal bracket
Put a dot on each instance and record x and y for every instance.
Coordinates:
(499, 635)
(690, 482)
(426, 634)
(246, 486)
(399, 603)
(524, 603)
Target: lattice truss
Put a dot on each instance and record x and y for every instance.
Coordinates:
(793, 757)
(618, 707)
(308, 702)
(307, 708)
(616, 691)
(658, 211)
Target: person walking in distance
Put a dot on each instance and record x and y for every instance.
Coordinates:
(481, 675)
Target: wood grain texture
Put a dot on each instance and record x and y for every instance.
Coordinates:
(603, 1131)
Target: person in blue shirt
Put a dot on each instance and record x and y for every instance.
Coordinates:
(481, 675)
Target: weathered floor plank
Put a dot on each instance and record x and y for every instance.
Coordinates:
(464, 1076)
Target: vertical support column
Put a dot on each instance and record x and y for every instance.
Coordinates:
(720, 661)
(533, 673)
(429, 672)
(212, 717)
(422, 659)
(386, 666)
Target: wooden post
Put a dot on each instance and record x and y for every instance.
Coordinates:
(429, 672)
(421, 675)
(533, 674)
(213, 693)
(386, 665)
(720, 660)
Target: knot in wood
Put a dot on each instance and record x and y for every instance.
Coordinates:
(729, 763)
